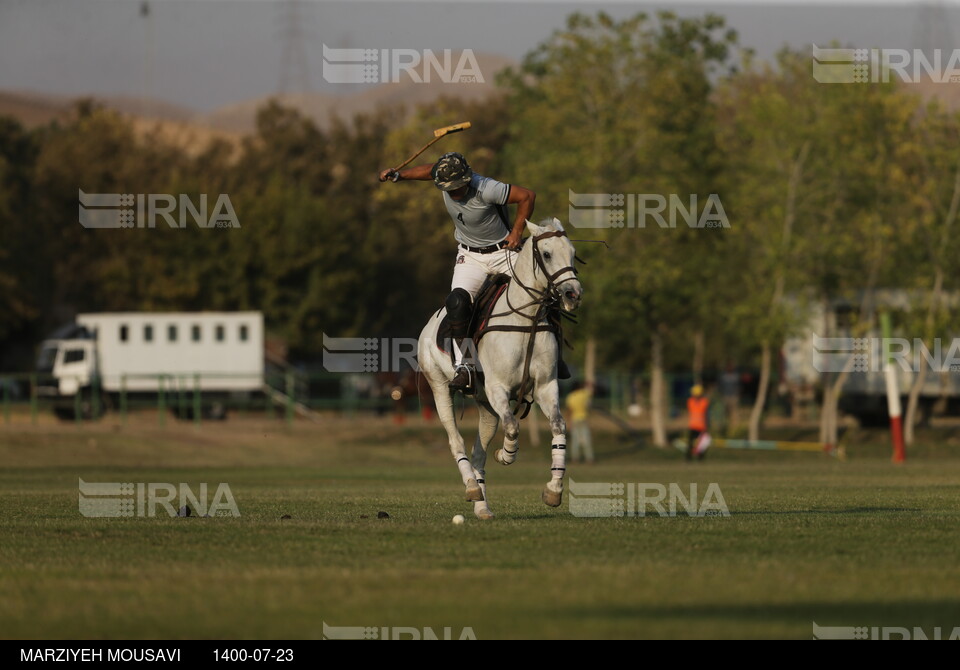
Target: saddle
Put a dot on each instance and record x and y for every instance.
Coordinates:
(491, 289)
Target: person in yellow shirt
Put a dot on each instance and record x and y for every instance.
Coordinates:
(578, 405)
(697, 407)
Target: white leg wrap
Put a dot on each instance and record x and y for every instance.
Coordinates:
(509, 453)
(466, 470)
(559, 457)
(481, 480)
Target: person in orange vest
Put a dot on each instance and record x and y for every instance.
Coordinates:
(697, 407)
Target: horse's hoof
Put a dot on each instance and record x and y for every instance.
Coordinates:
(551, 498)
(485, 515)
(474, 492)
(499, 456)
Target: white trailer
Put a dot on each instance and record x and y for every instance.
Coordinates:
(864, 393)
(141, 354)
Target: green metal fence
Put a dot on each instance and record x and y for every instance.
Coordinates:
(280, 394)
(195, 397)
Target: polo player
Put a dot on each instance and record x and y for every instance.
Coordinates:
(487, 242)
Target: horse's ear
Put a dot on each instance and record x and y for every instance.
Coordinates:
(534, 228)
(556, 222)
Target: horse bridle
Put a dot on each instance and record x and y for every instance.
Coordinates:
(551, 292)
(552, 283)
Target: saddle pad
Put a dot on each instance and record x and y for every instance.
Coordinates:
(483, 305)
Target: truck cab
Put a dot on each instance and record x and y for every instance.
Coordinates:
(67, 363)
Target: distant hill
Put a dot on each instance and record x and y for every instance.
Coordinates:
(33, 109)
(321, 107)
(194, 130)
(947, 93)
(175, 124)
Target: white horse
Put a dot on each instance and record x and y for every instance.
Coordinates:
(543, 276)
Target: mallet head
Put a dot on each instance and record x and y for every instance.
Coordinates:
(455, 128)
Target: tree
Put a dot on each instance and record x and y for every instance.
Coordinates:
(624, 107)
(934, 173)
(17, 294)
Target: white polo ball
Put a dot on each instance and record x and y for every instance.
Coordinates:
(458, 520)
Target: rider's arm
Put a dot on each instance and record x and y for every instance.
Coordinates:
(524, 199)
(416, 173)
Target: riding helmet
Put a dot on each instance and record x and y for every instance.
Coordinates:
(451, 172)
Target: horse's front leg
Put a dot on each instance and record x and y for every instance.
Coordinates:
(548, 397)
(444, 401)
(499, 398)
(488, 428)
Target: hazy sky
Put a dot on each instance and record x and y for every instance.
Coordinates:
(205, 53)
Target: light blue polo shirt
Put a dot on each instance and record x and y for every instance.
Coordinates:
(481, 218)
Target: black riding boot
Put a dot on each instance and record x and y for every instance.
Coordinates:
(459, 306)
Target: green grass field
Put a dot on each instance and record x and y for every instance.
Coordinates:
(809, 538)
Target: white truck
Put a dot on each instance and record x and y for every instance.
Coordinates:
(116, 358)
(864, 393)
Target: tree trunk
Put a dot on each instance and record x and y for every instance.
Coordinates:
(829, 426)
(590, 362)
(933, 309)
(913, 400)
(833, 431)
(753, 433)
(827, 386)
(825, 412)
(657, 396)
(789, 216)
(698, 346)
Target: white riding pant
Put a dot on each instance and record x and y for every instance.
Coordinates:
(471, 268)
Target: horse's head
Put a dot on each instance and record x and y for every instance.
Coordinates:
(553, 255)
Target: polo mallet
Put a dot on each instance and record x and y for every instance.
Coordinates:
(437, 134)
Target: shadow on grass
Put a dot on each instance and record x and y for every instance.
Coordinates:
(849, 510)
(733, 513)
(928, 614)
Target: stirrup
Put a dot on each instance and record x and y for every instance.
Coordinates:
(463, 385)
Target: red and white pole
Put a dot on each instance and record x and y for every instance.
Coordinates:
(893, 393)
(893, 407)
